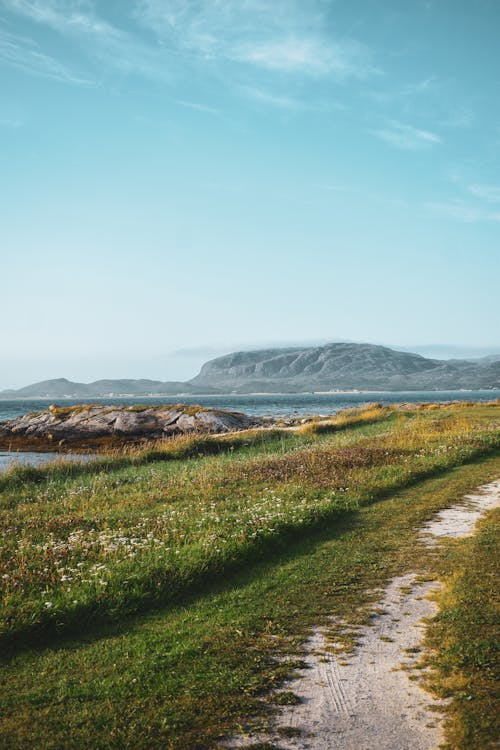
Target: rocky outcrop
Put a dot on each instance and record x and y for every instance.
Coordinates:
(94, 425)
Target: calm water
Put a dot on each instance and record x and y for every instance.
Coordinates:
(10, 459)
(265, 405)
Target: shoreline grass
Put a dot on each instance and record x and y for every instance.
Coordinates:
(234, 555)
(68, 570)
(188, 446)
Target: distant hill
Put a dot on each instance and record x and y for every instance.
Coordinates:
(63, 388)
(341, 366)
(490, 358)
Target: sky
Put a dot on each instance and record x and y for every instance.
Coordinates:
(182, 178)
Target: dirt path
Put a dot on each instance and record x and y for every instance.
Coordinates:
(364, 700)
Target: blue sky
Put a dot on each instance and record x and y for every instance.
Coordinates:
(204, 175)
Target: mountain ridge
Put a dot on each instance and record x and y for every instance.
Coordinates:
(330, 367)
(343, 366)
(64, 388)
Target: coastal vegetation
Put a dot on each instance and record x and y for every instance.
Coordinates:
(151, 591)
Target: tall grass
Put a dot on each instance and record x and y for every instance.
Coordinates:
(95, 542)
(463, 639)
(182, 447)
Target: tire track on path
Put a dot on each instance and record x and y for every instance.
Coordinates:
(364, 700)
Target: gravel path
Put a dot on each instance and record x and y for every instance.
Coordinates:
(365, 700)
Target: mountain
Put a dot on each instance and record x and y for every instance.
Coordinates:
(63, 388)
(342, 366)
(489, 358)
(443, 351)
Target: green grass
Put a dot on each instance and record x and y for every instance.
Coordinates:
(76, 551)
(464, 638)
(269, 539)
(180, 448)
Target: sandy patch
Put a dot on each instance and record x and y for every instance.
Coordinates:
(367, 700)
(460, 520)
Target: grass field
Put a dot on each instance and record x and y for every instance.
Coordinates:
(145, 598)
(463, 639)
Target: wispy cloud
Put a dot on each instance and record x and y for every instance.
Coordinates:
(458, 118)
(286, 36)
(94, 37)
(332, 188)
(406, 137)
(305, 55)
(289, 55)
(410, 95)
(490, 193)
(462, 211)
(283, 37)
(424, 86)
(13, 123)
(62, 15)
(475, 202)
(198, 107)
(432, 99)
(482, 192)
(269, 98)
(24, 54)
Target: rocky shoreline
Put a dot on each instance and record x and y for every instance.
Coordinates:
(98, 426)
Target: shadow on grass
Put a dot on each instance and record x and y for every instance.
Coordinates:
(179, 449)
(197, 447)
(89, 624)
(106, 619)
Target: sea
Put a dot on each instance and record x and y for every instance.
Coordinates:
(273, 405)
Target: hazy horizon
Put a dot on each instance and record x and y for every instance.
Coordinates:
(184, 364)
(183, 177)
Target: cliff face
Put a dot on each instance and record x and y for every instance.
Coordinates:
(342, 366)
